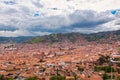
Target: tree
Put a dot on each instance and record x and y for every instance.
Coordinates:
(32, 78)
(75, 76)
(108, 69)
(118, 78)
(105, 76)
(103, 59)
(80, 69)
(55, 77)
(42, 69)
(1, 77)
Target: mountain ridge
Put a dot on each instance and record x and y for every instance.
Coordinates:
(60, 37)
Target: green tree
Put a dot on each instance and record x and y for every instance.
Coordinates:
(80, 69)
(9, 79)
(35, 40)
(105, 76)
(118, 78)
(54, 77)
(107, 69)
(1, 77)
(75, 76)
(97, 68)
(103, 59)
(32, 78)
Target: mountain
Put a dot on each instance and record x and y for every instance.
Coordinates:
(14, 39)
(101, 37)
(72, 37)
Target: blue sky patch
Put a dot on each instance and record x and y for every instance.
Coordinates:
(36, 14)
(114, 12)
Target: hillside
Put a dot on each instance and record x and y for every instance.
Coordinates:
(14, 39)
(101, 37)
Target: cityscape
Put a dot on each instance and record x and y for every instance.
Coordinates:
(59, 40)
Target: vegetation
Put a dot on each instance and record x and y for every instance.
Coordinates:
(108, 77)
(72, 37)
(93, 38)
(118, 70)
(54, 35)
(103, 59)
(80, 69)
(35, 40)
(71, 79)
(118, 49)
(75, 76)
(55, 77)
(118, 64)
(96, 68)
(9, 79)
(21, 39)
(106, 69)
(118, 78)
(15, 77)
(116, 59)
(1, 77)
(59, 37)
(4, 78)
(32, 78)
(42, 69)
(105, 77)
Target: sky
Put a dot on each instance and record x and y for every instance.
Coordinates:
(43, 17)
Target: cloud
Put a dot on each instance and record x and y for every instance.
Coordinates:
(40, 17)
(9, 2)
(89, 18)
(17, 33)
(37, 3)
(14, 33)
(5, 28)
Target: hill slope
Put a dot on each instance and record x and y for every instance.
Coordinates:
(102, 37)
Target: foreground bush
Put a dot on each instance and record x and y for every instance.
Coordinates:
(32, 78)
(107, 69)
(57, 77)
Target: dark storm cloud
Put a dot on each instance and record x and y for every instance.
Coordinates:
(88, 18)
(79, 19)
(5, 28)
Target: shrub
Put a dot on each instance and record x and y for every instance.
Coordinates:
(103, 59)
(96, 68)
(32, 78)
(118, 64)
(80, 69)
(35, 40)
(118, 70)
(42, 69)
(1, 77)
(118, 78)
(75, 76)
(107, 69)
(105, 76)
(57, 77)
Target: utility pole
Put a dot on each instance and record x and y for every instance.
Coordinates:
(111, 73)
(113, 61)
